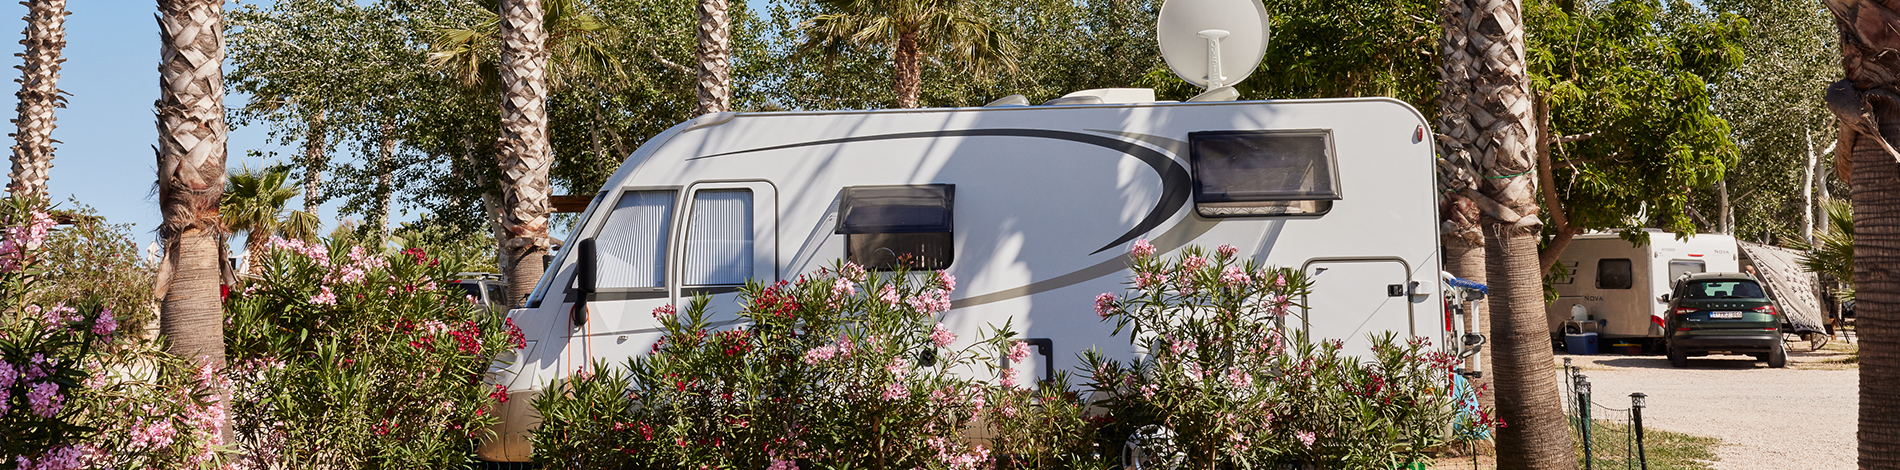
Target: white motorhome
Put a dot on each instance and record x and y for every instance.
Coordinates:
(1032, 208)
(1622, 284)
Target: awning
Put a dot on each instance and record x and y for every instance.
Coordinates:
(1793, 286)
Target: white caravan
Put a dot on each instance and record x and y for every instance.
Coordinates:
(1616, 281)
(1032, 208)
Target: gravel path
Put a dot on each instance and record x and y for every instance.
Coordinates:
(1801, 417)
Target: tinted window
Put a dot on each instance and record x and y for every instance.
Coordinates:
(890, 226)
(498, 294)
(1723, 290)
(471, 288)
(1263, 172)
(1614, 274)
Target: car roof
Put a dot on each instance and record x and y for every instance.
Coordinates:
(1720, 276)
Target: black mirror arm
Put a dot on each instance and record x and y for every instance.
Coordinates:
(584, 270)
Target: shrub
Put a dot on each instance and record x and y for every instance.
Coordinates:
(73, 392)
(342, 357)
(1217, 389)
(95, 261)
(839, 368)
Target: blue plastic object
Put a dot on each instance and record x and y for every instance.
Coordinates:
(1581, 343)
(1468, 284)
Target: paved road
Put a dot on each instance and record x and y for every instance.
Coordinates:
(1801, 417)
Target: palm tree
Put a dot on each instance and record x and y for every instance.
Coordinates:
(525, 152)
(1457, 172)
(1493, 129)
(254, 202)
(39, 95)
(1832, 252)
(191, 153)
(911, 30)
(715, 54)
(576, 48)
(1869, 112)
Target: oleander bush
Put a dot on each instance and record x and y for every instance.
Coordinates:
(344, 356)
(77, 391)
(842, 368)
(845, 368)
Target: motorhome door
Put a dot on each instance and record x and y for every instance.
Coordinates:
(1355, 297)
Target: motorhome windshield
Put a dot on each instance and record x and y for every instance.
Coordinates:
(1723, 290)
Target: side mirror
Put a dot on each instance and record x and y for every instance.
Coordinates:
(1664, 298)
(584, 269)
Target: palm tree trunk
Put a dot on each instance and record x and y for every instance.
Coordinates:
(908, 59)
(191, 154)
(1535, 435)
(1869, 114)
(39, 95)
(316, 155)
(1464, 243)
(525, 152)
(715, 52)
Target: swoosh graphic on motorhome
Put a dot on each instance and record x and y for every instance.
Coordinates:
(1175, 182)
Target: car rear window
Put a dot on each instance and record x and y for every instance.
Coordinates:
(1723, 290)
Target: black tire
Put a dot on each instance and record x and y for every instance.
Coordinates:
(1778, 357)
(1678, 357)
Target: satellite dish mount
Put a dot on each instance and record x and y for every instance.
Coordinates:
(1214, 78)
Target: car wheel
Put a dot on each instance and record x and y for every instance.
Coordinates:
(1778, 357)
(1678, 357)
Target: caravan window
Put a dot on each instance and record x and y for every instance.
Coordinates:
(632, 244)
(1263, 173)
(1677, 268)
(890, 226)
(718, 248)
(1615, 274)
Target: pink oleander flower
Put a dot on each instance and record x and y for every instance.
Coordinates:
(930, 302)
(896, 391)
(782, 465)
(1142, 249)
(1226, 250)
(59, 458)
(1193, 263)
(106, 324)
(45, 400)
(1279, 281)
(1104, 304)
(843, 288)
(1149, 280)
(889, 296)
(1018, 351)
(1007, 378)
(664, 311)
(1307, 438)
(845, 347)
(156, 435)
(1148, 391)
(1234, 276)
(1177, 347)
(1238, 378)
(820, 354)
(1278, 305)
(852, 272)
(946, 280)
(898, 368)
(36, 367)
(324, 298)
(942, 337)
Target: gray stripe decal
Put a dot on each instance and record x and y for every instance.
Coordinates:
(1175, 182)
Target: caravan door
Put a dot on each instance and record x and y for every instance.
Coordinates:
(1355, 297)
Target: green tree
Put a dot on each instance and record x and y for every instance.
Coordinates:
(1782, 128)
(911, 30)
(254, 203)
(1627, 122)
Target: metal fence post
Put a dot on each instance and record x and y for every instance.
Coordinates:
(1583, 405)
(1637, 402)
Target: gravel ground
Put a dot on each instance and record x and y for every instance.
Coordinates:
(1800, 417)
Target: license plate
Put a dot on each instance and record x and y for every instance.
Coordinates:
(1727, 315)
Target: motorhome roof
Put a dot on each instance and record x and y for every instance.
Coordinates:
(1065, 106)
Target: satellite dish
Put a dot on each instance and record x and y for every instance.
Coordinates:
(1212, 43)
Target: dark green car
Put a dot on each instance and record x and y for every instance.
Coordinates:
(1723, 312)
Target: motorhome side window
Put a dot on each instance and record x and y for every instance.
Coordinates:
(1263, 173)
(890, 226)
(632, 243)
(1615, 274)
(718, 248)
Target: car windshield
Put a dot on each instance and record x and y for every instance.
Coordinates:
(1723, 290)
